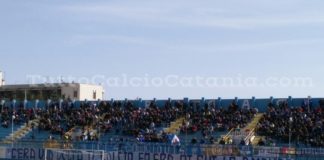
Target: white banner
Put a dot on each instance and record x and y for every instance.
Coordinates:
(57, 154)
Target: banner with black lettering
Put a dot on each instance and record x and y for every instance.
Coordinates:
(61, 154)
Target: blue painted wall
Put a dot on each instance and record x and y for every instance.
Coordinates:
(261, 104)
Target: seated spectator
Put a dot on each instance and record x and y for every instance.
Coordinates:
(283, 123)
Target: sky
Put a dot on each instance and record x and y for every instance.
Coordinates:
(157, 48)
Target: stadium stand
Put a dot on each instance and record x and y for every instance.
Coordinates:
(104, 121)
(302, 126)
(110, 124)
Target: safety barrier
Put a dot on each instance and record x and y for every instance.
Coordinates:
(194, 149)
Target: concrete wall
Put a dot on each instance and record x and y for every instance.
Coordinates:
(87, 92)
(69, 90)
(2, 81)
(84, 92)
(74, 91)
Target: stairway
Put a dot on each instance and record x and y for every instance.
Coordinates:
(253, 124)
(247, 130)
(77, 130)
(174, 126)
(21, 132)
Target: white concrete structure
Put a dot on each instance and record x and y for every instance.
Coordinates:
(2, 81)
(83, 91)
(74, 91)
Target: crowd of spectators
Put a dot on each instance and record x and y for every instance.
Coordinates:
(17, 116)
(211, 119)
(95, 119)
(60, 119)
(302, 125)
(143, 123)
(125, 119)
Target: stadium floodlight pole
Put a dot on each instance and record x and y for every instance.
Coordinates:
(290, 121)
(12, 137)
(98, 136)
(2, 104)
(25, 100)
(12, 121)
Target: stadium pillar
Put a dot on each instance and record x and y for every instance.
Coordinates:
(170, 101)
(25, 94)
(13, 104)
(74, 103)
(253, 102)
(186, 104)
(202, 103)
(25, 103)
(186, 100)
(290, 102)
(154, 101)
(111, 101)
(219, 102)
(36, 103)
(236, 100)
(125, 103)
(139, 102)
(309, 101)
(98, 101)
(60, 105)
(48, 103)
(271, 100)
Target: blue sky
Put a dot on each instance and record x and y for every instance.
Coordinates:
(187, 38)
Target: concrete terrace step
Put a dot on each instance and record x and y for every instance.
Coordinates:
(174, 126)
(21, 132)
(250, 127)
(256, 140)
(253, 124)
